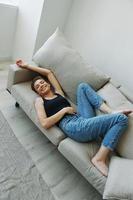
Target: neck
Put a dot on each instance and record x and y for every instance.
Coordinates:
(49, 94)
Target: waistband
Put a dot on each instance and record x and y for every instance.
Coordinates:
(67, 117)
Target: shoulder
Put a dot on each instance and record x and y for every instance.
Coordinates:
(60, 93)
(39, 100)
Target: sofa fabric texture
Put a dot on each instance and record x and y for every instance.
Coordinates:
(119, 183)
(117, 101)
(80, 154)
(26, 97)
(58, 55)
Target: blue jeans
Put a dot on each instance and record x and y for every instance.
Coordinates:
(85, 126)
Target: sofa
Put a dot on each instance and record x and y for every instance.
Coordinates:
(71, 69)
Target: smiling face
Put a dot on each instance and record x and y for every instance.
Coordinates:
(42, 87)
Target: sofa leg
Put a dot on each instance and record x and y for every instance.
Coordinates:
(17, 105)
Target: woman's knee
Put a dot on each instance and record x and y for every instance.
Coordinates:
(122, 119)
(83, 86)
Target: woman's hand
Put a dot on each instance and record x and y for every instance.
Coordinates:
(22, 64)
(125, 111)
(69, 110)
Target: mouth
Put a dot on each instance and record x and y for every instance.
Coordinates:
(43, 88)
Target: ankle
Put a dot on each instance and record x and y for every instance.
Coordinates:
(105, 108)
(98, 159)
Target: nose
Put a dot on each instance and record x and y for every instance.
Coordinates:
(41, 85)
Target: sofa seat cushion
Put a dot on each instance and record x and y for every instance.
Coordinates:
(119, 183)
(113, 97)
(80, 154)
(25, 97)
(68, 65)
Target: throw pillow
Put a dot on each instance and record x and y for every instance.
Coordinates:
(119, 184)
(68, 65)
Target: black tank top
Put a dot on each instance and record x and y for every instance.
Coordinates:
(52, 106)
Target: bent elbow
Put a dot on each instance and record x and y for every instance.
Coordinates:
(49, 72)
(45, 125)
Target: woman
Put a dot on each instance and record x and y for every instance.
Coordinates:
(53, 109)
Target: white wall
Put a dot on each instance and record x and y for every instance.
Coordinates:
(54, 13)
(8, 17)
(10, 2)
(27, 27)
(103, 33)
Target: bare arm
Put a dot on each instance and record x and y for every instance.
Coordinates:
(55, 83)
(48, 122)
(44, 72)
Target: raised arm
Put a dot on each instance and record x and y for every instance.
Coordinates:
(44, 72)
(53, 80)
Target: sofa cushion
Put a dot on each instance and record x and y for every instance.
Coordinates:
(68, 65)
(119, 183)
(25, 97)
(125, 145)
(80, 154)
(127, 93)
(113, 97)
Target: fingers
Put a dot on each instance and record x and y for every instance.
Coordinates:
(127, 112)
(19, 62)
(71, 110)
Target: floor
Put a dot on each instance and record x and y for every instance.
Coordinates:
(19, 176)
(64, 181)
(4, 73)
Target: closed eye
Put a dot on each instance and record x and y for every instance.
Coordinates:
(37, 86)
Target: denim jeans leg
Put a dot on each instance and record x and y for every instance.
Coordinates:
(112, 137)
(85, 126)
(109, 127)
(84, 108)
(87, 100)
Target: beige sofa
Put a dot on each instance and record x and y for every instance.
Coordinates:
(80, 154)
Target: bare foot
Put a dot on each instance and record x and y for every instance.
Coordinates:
(100, 165)
(125, 111)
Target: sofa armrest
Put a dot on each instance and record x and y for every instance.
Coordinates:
(18, 75)
(127, 93)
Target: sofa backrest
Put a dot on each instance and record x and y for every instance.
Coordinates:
(68, 65)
